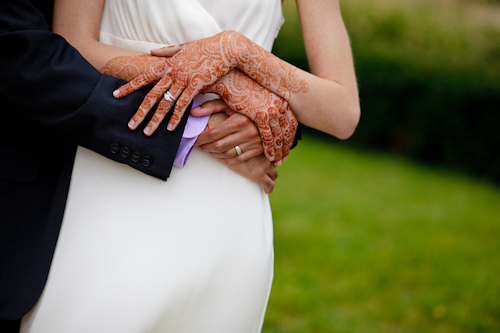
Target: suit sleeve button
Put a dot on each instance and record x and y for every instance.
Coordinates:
(114, 148)
(147, 161)
(125, 152)
(136, 157)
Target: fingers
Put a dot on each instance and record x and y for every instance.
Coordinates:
(151, 76)
(180, 107)
(224, 148)
(262, 122)
(222, 139)
(268, 175)
(231, 156)
(210, 107)
(162, 110)
(258, 169)
(268, 184)
(149, 101)
(167, 51)
(277, 135)
(272, 175)
(294, 125)
(271, 172)
(285, 128)
(235, 124)
(159, 115)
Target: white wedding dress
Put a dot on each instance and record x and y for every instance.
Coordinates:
(136, 254)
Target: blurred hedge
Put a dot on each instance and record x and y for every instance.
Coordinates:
(429, 78)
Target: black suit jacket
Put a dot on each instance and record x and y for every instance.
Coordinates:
(51, 100)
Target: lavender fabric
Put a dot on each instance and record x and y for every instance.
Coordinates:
(194, 127)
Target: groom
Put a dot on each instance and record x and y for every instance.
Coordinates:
(52, 100)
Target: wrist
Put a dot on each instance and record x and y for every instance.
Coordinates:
(238, 46)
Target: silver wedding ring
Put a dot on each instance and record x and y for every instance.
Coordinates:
(238, 150)
(169, 97)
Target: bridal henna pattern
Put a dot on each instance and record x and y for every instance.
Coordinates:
(195, 66)
(271, 72)
(192, 68)
(129, 67)
(271, 113)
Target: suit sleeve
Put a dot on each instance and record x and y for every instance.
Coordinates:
(50, 83)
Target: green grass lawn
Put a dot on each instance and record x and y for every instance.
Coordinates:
(366, 242)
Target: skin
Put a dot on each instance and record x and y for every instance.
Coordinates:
(129, 67)
(200, 66)
(235, 130)
(326, 99)
(272, 114)
(78, 22)
(257, 168)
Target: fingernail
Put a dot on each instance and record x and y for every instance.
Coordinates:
(131, 123)
(116, 93)
(170, 127)
(147, 130)
(278, 163)
(196, 108)
(285, 158)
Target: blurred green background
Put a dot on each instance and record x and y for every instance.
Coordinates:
(397, 229)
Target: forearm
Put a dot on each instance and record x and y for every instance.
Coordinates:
(327, 99)
(325, 103)
(68, 97)
(79, 21)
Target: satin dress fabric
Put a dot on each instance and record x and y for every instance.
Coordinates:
(136, 254)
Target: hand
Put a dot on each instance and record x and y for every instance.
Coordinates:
(272, 114)
(193, 67)
(228, 129)
(258, 169)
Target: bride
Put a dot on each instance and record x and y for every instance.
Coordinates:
(193, 254)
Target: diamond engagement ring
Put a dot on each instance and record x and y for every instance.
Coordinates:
(169, 97)
(238, 150)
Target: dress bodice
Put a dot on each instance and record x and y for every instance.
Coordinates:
(145, 24)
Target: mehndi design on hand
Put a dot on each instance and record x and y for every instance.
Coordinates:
(271, 113)
(129, 67)
(195, 66)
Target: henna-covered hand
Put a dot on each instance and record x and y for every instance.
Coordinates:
(193, 67)
(271, 114)
(196, 65)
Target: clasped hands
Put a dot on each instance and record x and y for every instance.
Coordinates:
(210, 66)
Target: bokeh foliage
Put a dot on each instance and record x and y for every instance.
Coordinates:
(370, 242)
(429, 77)
(367, 241)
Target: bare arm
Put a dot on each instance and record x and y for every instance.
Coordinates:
(79, 21)
(326, 100)
(332, 103)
